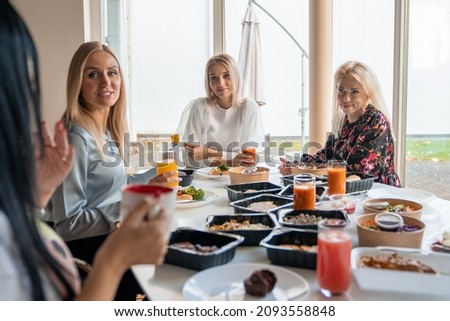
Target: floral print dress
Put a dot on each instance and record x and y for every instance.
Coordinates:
(366, 145)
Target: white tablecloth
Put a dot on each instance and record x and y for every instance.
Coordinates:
(168, 281)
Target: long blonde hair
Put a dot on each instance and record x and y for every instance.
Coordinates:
(78, 114)
(369, 83)
(228, 62)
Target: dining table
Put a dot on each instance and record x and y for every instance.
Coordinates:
(166, 282)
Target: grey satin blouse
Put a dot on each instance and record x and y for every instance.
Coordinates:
(87, 203)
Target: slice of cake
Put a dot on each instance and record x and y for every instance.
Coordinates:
(259, 283)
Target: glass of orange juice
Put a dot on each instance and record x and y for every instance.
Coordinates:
(304, 192)
(337, 170)
(168, 164)
(334, 273)
(250, 151)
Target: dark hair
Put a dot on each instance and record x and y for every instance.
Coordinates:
(20, 112)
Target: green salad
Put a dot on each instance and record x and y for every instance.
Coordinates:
(224, 167)
(197, 194)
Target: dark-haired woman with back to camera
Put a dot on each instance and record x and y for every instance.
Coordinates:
(35, 262)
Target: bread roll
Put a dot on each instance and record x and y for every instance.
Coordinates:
(353, 178)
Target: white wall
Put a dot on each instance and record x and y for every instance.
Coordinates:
(57, 27)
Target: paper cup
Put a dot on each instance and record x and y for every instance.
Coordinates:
(133, 194)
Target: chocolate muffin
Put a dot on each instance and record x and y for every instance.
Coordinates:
(259, 283)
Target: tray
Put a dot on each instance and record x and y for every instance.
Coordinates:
(239, 191)
(429, 285)
(364, 184)
(288, 191)
(324, 214)
(241, 206)
(226, 243)
(289, 180)
(284, 256)
(251, 237)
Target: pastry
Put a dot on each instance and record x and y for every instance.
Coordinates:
(259, 283)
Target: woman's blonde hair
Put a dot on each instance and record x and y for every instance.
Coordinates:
(369, 83)
(228, 62)
(77, 113)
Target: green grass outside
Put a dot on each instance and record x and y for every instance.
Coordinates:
(429, 149)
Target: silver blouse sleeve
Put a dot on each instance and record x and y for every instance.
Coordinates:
(87, 203)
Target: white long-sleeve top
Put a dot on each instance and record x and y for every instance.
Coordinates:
(228, 130)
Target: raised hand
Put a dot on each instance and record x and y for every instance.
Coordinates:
(53, 161)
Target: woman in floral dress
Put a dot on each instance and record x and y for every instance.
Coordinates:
(361, 133)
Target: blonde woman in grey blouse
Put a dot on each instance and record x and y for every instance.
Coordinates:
(85, 208)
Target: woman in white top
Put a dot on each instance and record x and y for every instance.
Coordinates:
(215, 129)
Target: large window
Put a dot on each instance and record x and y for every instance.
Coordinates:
(428, 131)
(282, 59)
(364, 30)
(169, 41)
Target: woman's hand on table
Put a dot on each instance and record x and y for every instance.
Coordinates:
(285, 167)
(243, 160)
(201, 152)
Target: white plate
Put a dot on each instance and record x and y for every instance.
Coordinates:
(410, 194)
(226, 283)
(205, 173)
(209, 197)
(424, 284)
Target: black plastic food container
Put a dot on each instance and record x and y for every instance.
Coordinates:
(241, 206)
(288, 191)
(186, 180)
(251, 237)
(364, 184)
(288, 213)
(289, 180)
(285, 256)
(239, 191)
(226, 243)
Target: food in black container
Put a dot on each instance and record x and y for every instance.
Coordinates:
(306, 219)
(289, 180)
(357, 182)
(288, 191)
(292, 247)
(252, 227)
(199, 250)
(241, 191)
(263, 203)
